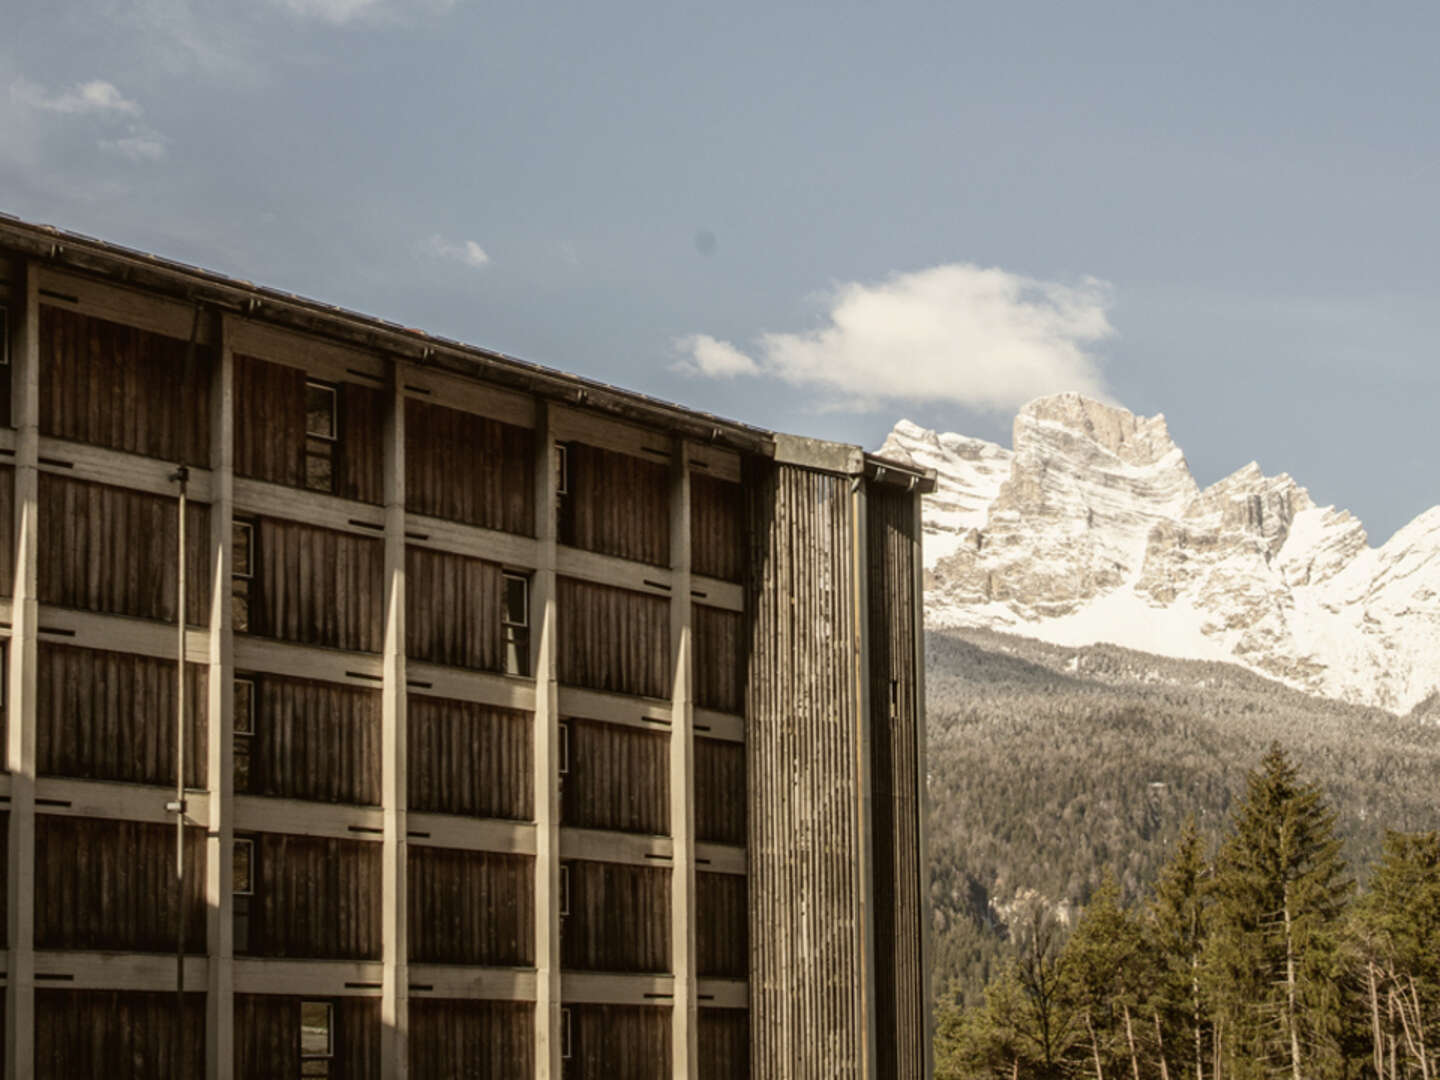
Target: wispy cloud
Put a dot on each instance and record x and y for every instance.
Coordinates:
(467, 252)
(96, 97)
(984, 338)
(340, 12)
(143, 146)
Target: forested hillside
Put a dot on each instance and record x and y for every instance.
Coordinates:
(1050, 767)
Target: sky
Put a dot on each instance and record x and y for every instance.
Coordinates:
(814, 218)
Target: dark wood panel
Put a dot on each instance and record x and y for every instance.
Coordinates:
(617, 504)
(723, 1037)
(619, 1042)
(315, 898)
(471, 907)
(269, 421)
(113, 385)
(613, 639)
(722, 941)
(104, 884)
(4, 891)
(471, 1040)
(117, 1035)
(717, 527)
(619, 918)
(267, 1037)
(317, 586)
(468, 758)
(314, 740)
(105, 715)
(619, 779)
(360, 448)
(719, 659)
(7, 521)
(469, 468)
(719, 791)
(453, 610)
(112, 550)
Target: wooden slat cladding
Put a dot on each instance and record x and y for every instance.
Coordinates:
(315, 898)
(471, 907)
(619, 1042)
(619, 779)
(805, 979)
(717, 527)
(317, 586)
(4, 890)
(7, 527)
(619, 918)
(267, 1037)
(900, 984)
(724, 1044)
(453, 610)
(117, 1035)
(617, 504)
(469, 468)
(127, 389)
(103, 715)
(110, 550)
(468, 758)
(315, 740)
(719, 791)
(104, 884)
(719, 659)
(471, 1040)
(722, 945)
(270, 430)
(613, 639)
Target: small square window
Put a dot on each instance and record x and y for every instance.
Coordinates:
(515, 622)
(243, 854)
(320, 410)
(517, 600)
(322, 429)
(317, 1038)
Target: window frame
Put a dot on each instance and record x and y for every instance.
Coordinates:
(563, 749)
(247, 733)
(319, 445)
(562, 468)
(567, 1036)
(246, 843)
(563, 900)
(329, 1055)
(242, 582)
(4, 335)
(514, 633)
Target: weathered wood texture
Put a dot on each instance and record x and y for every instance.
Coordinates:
(619, 918)
(103, 884)
(469, 468)
(270, 430)
(4, 892)
(315, 740)
(806, 978)
(901, 993)
(116, 386)
(103, 715)
(117, 1035)
(453, 610)
(267, 1037)
(619, 779)
(719, 659)
(619, 1042)
(111, 550)
(717, 527)
(471, 1040)
(722, 946)
(7, 526)
(315, 898)
(724, 1038)
(471, 907)
(618, 504)
(317, 586)
(468, 758)
(613, 639)
(720, 794)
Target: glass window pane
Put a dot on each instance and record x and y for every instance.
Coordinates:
(319, 467)
(240, 611)
(241, 549)
(517, 600)
(315, 1029)
(320, 410)
(244, 706)
(243, 858)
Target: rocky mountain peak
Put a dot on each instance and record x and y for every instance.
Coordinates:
(1135, 440)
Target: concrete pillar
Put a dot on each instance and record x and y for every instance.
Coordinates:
(682, 775)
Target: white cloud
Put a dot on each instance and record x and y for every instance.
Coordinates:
(339, 12)
(96, 97)
(468, 251)
(104, 106)
(141, 146)
(984, 338)
(704, 355)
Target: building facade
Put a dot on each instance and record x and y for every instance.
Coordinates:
(528, 727)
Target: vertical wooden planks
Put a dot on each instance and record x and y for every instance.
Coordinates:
(591, 516)
(315, 740)
(453, 610)
(269, 421)
(468, 758)
(720, 793)
(267, 1037)
(619, 918)
(317, 586)
(360, 448)
(493, 1040)
(613, 639)
(315, 898)
(721, 917)
(115, 1034)
(719, 659)
(469, 468)
(724, 1044)
(717, 523)
(619, 1042)
(471, 907)
(619, 779)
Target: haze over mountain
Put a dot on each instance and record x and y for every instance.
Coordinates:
(1091, 528)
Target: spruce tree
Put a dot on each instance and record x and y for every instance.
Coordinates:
(1178, 927)
(1102, 965)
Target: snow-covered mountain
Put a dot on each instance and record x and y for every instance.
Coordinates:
(1091, 529)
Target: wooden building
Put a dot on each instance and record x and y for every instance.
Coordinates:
(528, 727)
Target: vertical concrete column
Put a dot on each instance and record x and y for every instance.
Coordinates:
(20, 741)
(395, 985)
(547, 751)
(865, 864)
(682, 774)
(220, 711)
(922, 769)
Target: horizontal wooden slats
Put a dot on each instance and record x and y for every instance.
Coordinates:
(453, 610)
(720, 794)
(722, 944)
(315, 897)
(267, 1037)
(619, 1042)
(469, 468)
(592, 516)
(117, 1035)
(317, 586)
(717, 527)
(719, 659)
(483, 1040)
(619, 918)
(468, 758)
(313, 740)
(613, 639)
(471, 907)
(619, 778)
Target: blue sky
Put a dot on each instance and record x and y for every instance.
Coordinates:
(818, 218)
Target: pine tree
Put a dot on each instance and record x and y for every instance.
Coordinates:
(1178, 927)
(1102, 965)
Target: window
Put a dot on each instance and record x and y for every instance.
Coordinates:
(317, 1037)
(515, 622)
(242, 855)
(566, 1046)
(4, 335)
(562, 468)
(322, 429)
(244, 731)
(564, 889)
(564, 749)
(242, 574)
